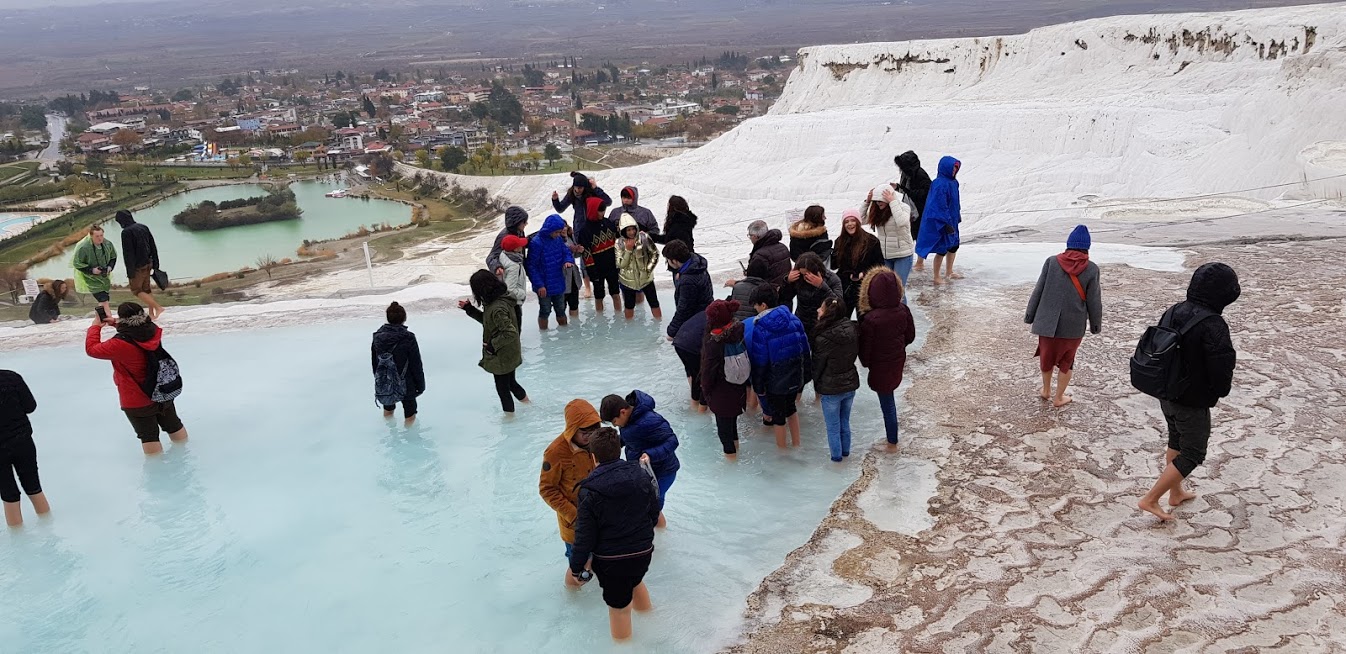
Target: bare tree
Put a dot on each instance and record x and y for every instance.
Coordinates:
(265, 263)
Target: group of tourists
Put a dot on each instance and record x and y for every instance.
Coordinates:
(803, 313)
(93, 262)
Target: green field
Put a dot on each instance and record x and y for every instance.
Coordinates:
(11, 172)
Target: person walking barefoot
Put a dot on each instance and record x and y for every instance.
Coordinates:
(1207, 358)
(940, 220)
(1066, 296)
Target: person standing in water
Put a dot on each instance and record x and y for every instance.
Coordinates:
(94, 260)
(1067, 294)
(646, 435)
(886, 329)
(138, 340)
(142, 259)
(915, 183)
(940, 219)
(781, 364)
(1207, 357)
(512, 272)
(726, 399)
(516, 224)
(501, 349)
(614, 531)
(835, 347)
(637, 257)
(549, 261)
(18, 452)
(565, 463)
(598, 235)
(396, 340)
(630, 206)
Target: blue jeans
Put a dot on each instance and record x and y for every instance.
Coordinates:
(665, 483)
(837, 413)
(888, 404)
(902, 267)
(545, 305)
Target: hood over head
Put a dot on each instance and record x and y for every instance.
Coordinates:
(948, 167)
(907, 162)
(593, 208)
(140, 329)
(1214, 286)
(552, 224)
(124, 218)
(633, 193)
(885, 291)
(627, 221)
(515, 216)
(579, 413)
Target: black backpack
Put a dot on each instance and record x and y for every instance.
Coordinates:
(1156, 368)
(163, 378)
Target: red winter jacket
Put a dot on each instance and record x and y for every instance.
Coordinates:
(128, 363)
(885, 332)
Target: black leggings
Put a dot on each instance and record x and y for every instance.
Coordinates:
(408, 407)
(505, 386)
(629, 296)
(691, 364)
(573, 299)
(604, 269)
(18, 457)
(726, 427)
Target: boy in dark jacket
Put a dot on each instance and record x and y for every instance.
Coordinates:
(142, 259)
(1208, 360)
(646, 435)
(394, 338)
(779, 350)
(692, 290)
(618, 508)
(18, 452)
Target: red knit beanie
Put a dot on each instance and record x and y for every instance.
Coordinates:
(721, 313)
(513, 243)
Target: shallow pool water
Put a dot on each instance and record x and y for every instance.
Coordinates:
(298, 520)
(185, 254)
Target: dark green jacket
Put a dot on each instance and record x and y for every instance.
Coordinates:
(501, 350)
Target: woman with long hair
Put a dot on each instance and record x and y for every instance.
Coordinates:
(46, 307)
(857, 251)
(501, 349)
(835, 379)
(809, 234)
(679, 223)
(887, 213)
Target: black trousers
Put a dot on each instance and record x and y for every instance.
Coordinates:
(604, 275)
(408, 407)
(726, 427)
(1188, 434)
(18, 457)
(691, 364)
(509, 390)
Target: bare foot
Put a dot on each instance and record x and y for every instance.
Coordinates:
(1154, 508)
(937, 282)
(954, 275)
(919, 267)
(1062, 401)
(890, 447)
(1180, 496)
(1045, 394)
(525, 400)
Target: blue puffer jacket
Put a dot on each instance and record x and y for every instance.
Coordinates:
(692, 293)
(547, 257)
(648, 433)
(943, 212)
(779, 350)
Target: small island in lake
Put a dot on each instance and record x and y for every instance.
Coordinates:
(279, 204)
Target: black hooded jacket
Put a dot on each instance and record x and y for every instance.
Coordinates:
(915, 181)
(138, 246)
(1207, 350)
(692, 293)
(406, 355)
(618, 507)
(16, 402)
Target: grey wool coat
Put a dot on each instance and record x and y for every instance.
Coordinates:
(1056, 310)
